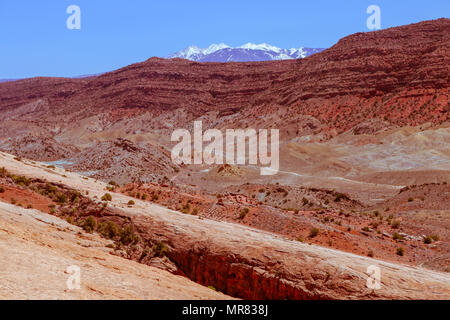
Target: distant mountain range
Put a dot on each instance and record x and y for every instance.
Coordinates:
(247, 52)
(224, 53)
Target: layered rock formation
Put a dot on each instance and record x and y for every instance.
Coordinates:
(400, 74)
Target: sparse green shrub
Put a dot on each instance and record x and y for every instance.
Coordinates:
(243, 213)
(400, 252)
(3, 172)
(108, 229)
(159, 249)
(89, 224)
(313, 232)
(2, 190)
(75, 196)
(128, 236)
(305, 201)
(397, 236)
(435, 237)
(21, 180)
(427, 240)
(131, 203)
(106, 197)
(395, 224)
(61, 198)
(186, 208)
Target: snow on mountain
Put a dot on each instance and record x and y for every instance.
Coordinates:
(215, 47)
(247, 52)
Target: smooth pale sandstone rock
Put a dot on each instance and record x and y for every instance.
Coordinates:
(37, 249)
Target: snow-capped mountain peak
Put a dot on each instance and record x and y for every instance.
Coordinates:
(215, 47)
(262, 46)
(247, 52)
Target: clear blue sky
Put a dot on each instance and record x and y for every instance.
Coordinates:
(34, 39)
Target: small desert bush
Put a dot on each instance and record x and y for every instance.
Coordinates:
(128, 236)
(313, 232)
(61, 198)
(108, 229)
(243, 213)
(400, 252)
(397, 236)
(3, 172)
(434, 237)
(395, 224)
(21, 180)
(106, 197)
(186, 208)
(427, 240)
(89, 224)
(159, 249)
